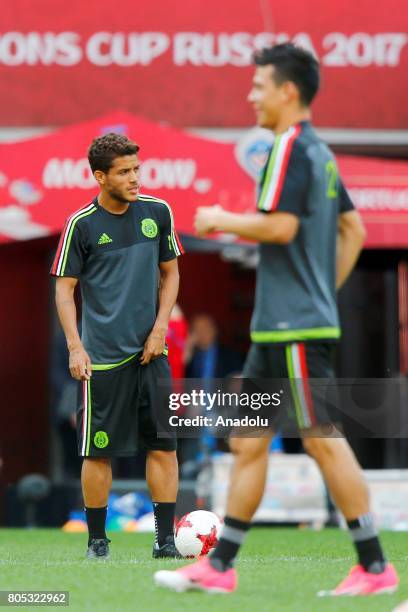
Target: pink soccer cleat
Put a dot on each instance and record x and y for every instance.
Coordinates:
(199, 576)
(361, 582)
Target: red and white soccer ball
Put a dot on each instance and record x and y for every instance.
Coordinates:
(197, 533)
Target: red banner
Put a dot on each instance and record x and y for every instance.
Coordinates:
(192, 66)
(45, 179)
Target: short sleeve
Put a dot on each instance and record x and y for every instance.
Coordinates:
(345, 203)
(170, 244)
(71, 252)
(285, 181)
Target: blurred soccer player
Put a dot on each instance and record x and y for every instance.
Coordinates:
(310, 238)
(118, 247)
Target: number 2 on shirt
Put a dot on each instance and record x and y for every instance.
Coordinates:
(332, 175)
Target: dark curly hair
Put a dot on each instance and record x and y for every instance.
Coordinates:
(106, 148)
(292, 64)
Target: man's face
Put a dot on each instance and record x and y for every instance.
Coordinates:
(121, 182)
(267, 98)
(204, 332)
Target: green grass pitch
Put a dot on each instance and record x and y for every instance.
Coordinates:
(279, 569)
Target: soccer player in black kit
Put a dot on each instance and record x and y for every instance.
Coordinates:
(122, 248)
(310, 237)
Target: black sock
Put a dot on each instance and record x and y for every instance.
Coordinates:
(368, 547)
(232, 536)
(96, 519)
(163, 520)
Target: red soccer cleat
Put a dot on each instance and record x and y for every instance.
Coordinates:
(199, 576)
(361, 582)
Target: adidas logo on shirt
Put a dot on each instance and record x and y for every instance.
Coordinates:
(104, 239)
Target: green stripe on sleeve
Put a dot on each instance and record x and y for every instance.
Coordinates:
(71, 231)
(173, 238)
(269, 172)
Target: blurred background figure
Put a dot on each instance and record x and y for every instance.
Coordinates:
(64, 401)
(176, 342)
(205, 357)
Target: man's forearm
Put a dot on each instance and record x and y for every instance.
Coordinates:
(279, 227)
(350, 239)
(67, 315)
(250, 226)
(348, 251)
(80, 364)
(169, 286)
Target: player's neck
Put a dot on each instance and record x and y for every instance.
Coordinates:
(111, 205)
(292, 118)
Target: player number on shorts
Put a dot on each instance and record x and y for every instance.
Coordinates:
(332, 174)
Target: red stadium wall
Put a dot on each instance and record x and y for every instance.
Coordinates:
(24, 316)
(192, 66)
(221, 289)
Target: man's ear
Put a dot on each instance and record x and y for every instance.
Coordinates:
(290, 91)
(99, 177)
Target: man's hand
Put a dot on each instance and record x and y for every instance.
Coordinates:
(80, 364)
(206, 219)
(154, 346)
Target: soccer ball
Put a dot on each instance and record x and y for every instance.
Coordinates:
(197, 533)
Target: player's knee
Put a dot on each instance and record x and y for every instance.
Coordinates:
(248, 449)
(166, 458)
(321, 449)
(97, 464)
(98, 470)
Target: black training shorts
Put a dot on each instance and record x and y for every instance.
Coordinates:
(118, 410)
(304, 372)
